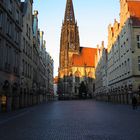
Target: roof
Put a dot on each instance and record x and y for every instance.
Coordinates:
(134, 8)
(85, 58)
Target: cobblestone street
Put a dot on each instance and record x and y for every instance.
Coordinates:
(72, 120)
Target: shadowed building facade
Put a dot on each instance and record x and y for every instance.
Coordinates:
(10, 47)
(76, 64)
(26, 69)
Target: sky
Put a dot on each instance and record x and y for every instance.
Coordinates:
(93, 18)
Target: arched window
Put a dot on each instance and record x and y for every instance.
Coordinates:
(77, 77)
(90, 75)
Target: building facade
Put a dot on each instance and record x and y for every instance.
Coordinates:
(50, 68)
(101, 71)
(75, 64)
(26, 54)
(24, 64)
(123, 71)
(10, 47)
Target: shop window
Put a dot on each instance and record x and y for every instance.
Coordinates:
(138, 41)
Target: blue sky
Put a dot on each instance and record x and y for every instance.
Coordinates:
(93, 18)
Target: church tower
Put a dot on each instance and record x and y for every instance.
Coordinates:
(69, 45)
(76, 64)
(69, 42)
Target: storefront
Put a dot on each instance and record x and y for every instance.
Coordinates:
(3, 103)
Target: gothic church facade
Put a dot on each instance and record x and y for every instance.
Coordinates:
(76, 64)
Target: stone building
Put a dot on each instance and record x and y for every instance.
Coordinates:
(36, 56)
(123, 64)
(76, 64)
(23, 62)
(39, 85)
(101, 71)
(10, 47)
(26, 54)
(50, 67)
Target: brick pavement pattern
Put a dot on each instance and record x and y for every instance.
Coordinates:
(72, 120)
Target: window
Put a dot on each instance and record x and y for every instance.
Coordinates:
(7, 57)
(0, 19)
(16, 36)
(23, 67)
(16, 61)
(9, 28)
(139, 62)
(138, 41)
(77, 79)
(1, 52)
(29, 71)
(124, 44)
(26, 69)
(26, 47)
(17, 16)
(128, 65)
(10, 5)
(7, 54)
(27, 29)
(24, 44)
(125, 68)
(29, 33)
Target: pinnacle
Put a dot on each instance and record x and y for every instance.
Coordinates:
(69, 13)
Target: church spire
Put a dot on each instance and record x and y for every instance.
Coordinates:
(69, 13)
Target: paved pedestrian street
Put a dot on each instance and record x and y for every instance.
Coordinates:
(72, 120)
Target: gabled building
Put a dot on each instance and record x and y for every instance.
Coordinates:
(123, 54)
(76, 64)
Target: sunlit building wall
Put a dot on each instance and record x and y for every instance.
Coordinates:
(123, 63)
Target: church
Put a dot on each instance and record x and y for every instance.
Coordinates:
(76, 63)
